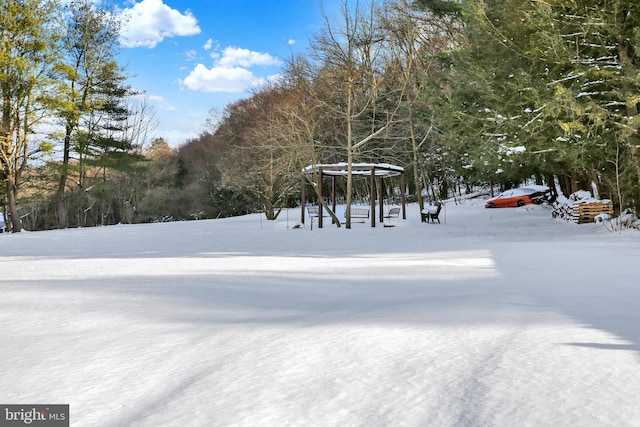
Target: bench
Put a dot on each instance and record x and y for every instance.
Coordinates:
(431, 213)
(361, 213)
(393, 213)
(358, 213)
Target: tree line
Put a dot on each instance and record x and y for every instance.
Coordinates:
(460, 93)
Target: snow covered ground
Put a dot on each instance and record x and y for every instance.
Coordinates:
(497, 317)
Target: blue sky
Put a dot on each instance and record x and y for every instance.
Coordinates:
(191, 56)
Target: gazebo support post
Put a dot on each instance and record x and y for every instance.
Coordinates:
(333, 195)
(303, 198)
(373, 196)
(404, 197)
(381, 198)
(320, 204)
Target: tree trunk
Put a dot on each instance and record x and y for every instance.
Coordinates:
(64, 174)
(416, 162)
(349, 118)
(12, 206)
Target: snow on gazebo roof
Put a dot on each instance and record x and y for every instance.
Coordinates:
(335, 169)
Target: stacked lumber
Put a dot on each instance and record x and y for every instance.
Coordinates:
(584, 211)
(581, 207)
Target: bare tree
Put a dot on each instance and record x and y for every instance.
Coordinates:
(351, 67)
(256, 160)
(416, 38)
(304, 132)
(142, 121)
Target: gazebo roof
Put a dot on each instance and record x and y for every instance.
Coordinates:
(340, 169)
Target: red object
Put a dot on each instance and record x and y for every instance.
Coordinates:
(517, 197)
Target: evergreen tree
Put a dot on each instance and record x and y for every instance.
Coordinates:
(547, 88)
(89, 50)
(104, 145)
(601, 88)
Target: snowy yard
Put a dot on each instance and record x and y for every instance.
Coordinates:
(496, 317)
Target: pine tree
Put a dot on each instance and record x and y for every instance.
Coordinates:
(548, 88)
(104, 145)
(89, 50)
(603, 92)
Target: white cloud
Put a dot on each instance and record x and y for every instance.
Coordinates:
(149, 22)
(230, 72)
(291, 42)
(238, 57)
(208, 45)
(220, 79)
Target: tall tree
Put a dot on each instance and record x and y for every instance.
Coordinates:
(416, 41)
(297, 132)
(29, 30)
(89, 50)
(105, 146)
(261, 166)
(351, 67)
